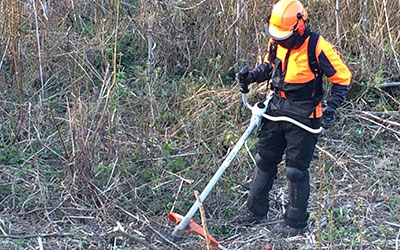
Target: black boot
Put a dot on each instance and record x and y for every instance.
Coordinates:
(250, 218)
(284, 230)
(296, 215)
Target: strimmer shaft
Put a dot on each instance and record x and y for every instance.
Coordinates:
(179, 229)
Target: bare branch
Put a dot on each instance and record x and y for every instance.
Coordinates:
(119, 229)
(388, 84)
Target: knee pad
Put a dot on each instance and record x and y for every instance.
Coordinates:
(296, 174)
(265, 165)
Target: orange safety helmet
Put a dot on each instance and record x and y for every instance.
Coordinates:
(286, 17)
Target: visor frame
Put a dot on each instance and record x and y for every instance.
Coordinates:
(277, 34)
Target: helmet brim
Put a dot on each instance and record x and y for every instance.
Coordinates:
(277, 34)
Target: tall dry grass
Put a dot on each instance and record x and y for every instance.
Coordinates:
(189, 35)
(71, 54)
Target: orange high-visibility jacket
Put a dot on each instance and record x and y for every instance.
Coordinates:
(298, 81)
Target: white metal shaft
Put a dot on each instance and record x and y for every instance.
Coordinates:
(185, 221)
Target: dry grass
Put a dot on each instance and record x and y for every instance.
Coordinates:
(127, 134)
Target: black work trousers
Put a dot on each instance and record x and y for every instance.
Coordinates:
(276, 139)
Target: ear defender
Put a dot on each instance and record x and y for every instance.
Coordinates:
(300, 25)
(267, 23)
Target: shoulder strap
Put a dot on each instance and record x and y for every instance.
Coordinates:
(272, 53)
(312, 59)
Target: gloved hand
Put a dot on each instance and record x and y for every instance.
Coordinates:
(328, 117)
(245, 78)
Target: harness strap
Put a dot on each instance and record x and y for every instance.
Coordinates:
(285, 64)
(314, 67)
(312, 59)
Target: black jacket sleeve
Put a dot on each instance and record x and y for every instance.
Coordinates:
(261, 73)
(338, 93)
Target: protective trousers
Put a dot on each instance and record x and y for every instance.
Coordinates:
(275, 139)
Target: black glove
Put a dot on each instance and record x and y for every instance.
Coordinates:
(259, 74)
(328, 117)
(245, 78)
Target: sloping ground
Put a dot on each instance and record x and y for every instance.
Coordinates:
(354, 202)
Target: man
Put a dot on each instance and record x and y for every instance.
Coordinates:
(294, 63)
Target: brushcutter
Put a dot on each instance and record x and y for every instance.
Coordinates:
(185, 224)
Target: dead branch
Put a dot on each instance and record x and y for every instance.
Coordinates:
(28, 236)
(336, 161)
(380, 125)
(39, 53)
(388, 85)
(40, 242)
(165, 238)
(203, 220)
(381, 119)
(120, 230)
(5, 53)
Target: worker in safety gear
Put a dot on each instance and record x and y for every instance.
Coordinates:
(295, 62)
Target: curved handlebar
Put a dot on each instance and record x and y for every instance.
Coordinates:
(281, 118)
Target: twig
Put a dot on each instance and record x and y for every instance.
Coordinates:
(149, 68)
(364, 14)
(238, 31)
(380, 119)
(168, 157)
(189, 8)
(114, 80)
(112, 173)
(39, 53)
(176, 195)
(250, 154)
(1, 228)
(203, 220)
(164, 238)
(337, 6)
(59, 133)
(222, 6)
(321, 180)
(128, 213)
(234, 22)
(392, 224)
(28, 236)
(180, 177)
(389, 84)
(380, 125)
(4, 54)
(390, 36)
(336, 161)
(119, 229)
(40, 243)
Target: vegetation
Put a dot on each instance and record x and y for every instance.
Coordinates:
(118, 110)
